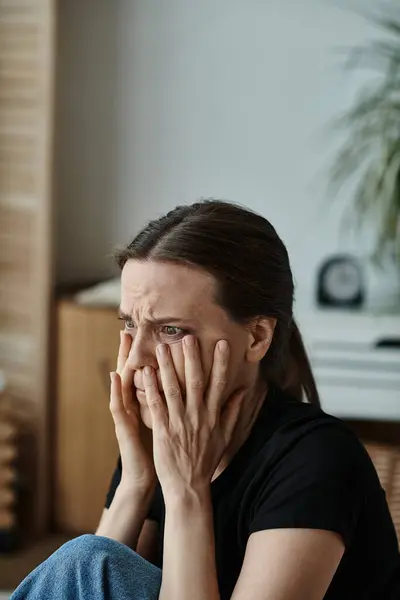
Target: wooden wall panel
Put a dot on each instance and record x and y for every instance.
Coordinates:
(26, 121)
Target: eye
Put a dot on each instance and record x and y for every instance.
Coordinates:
(129, 324)
(171, 331)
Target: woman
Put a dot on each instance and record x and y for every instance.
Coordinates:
(227, 481)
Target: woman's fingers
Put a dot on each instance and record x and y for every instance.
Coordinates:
(193, 374)
(154, 400)
(116, 405)
(127, 387)
(170, 383)
(119, 404)
(124, 349)
(218, 377)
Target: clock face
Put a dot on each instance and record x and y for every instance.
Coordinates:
(342, 281)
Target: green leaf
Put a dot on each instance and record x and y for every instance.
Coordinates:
(370, 157)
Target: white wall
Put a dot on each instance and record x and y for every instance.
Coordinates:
(86, 137)
(163, 102)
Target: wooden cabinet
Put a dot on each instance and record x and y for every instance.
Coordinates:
(86, 448)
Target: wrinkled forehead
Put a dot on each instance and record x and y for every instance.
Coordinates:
(166, 287)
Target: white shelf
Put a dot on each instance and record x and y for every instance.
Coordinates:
(356, 379)
(369, 405)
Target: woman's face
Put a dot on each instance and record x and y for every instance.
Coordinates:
(163, 302)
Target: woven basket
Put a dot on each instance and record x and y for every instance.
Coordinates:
(7, 471)
(387, 463)
(7, 476)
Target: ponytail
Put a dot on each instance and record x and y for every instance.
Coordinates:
(287, 366)
(299, 376)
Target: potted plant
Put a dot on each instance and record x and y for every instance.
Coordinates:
(370, 157)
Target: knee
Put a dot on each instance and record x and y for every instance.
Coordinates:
(88, 565)
(100, 556)
(75, 565)
(91, 548)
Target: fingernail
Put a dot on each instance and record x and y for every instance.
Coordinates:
(111, 376)
(189, 340)
(222, 345)
(147, 371)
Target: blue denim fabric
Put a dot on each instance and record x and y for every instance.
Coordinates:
(92, 568)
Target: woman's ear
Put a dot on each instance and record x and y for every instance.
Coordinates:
(261, 332)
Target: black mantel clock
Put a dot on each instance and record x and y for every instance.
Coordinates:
(340, 282)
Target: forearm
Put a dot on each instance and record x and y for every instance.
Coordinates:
(189, 569)
(126, 515)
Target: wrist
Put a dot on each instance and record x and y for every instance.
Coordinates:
(130, 505)
(126, 515)
(143, 491)
(188, 499)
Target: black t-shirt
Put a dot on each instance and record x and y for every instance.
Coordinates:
(301, 468)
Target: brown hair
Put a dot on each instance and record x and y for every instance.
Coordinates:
(250, 263)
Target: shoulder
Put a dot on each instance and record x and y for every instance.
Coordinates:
(312, 473)
(305, 433)
(324, 448)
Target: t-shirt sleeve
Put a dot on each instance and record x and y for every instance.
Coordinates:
(114, 483)
(155, 510)
(316, 484)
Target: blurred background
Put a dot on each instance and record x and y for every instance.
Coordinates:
(112, 113)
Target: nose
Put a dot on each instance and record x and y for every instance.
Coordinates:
(143, 351)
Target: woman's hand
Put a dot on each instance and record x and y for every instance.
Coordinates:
(191, 436)
(134, 439)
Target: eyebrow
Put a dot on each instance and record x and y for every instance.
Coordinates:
(159, 321)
